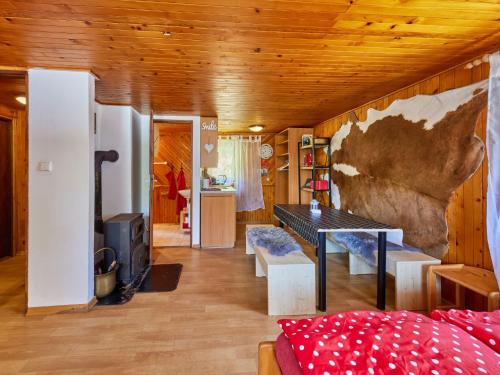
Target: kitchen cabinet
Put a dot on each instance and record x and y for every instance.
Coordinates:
(218, 219)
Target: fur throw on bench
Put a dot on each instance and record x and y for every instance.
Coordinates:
(365, 245)
(275, 240)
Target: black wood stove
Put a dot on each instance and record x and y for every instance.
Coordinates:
(124, 233)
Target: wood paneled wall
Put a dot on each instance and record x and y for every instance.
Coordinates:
(20, 180)
(6, 190)
(264, 215)
(467, 208)
(164, 208)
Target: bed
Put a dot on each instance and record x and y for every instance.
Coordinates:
(402, 342)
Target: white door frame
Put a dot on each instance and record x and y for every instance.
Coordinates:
(196, 177)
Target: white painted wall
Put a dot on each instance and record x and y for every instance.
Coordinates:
(196, 179)
(61, 202)
(114, 132)
(125, 183)
(140, 165)
(136, 161)
(145, 178)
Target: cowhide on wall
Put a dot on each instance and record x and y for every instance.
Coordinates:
(402, 164)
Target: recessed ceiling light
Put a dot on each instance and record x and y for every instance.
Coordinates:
(167, 33)
(21, 99)
(256, 128)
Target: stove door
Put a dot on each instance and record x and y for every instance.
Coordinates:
(139, 260)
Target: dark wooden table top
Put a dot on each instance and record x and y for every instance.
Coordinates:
(307, 225)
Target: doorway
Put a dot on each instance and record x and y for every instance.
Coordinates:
(14, 191)
(172, 170)
(6, 192)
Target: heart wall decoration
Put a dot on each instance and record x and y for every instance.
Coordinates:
(208, 142)
(209, 147)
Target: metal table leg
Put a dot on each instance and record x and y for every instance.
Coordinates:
(382, 244)
(321, 251)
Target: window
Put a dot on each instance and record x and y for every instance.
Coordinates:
(225, 171)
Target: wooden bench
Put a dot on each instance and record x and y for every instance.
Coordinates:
(291, 280)
(409, 270)
(465, 277)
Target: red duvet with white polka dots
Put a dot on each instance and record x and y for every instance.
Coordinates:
(484, 326)
(362, 342)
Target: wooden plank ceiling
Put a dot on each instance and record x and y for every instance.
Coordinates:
(279, 63)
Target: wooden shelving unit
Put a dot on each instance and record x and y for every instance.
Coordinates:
(286, 178)
(313, 190)
(284, 167)
(313, 169)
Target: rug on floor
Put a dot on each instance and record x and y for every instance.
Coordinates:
(162, 278)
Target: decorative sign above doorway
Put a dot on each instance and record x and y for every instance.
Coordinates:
(209, 136)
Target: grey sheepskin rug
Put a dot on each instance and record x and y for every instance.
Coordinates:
(275, 240)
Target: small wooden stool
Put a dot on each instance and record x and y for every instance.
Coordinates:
(465, 277)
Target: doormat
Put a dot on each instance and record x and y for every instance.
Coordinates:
(161, 278)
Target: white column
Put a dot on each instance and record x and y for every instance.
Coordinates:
(61, 197)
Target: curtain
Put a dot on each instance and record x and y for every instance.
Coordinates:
(248, 182)
(493, 149)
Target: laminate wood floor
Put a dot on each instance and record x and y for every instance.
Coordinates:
(165, 235)
(210, 325)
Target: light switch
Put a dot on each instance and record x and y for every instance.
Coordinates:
(45, 166)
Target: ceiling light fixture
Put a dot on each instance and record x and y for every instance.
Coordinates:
(256, 128)
(21, 99)
(167, 33)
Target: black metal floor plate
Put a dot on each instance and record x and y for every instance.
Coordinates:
(157, 278)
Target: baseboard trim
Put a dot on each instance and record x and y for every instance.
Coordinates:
(49, 310)
(91, 303)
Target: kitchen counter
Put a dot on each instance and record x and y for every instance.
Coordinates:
(218, 218)
(219, 191)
